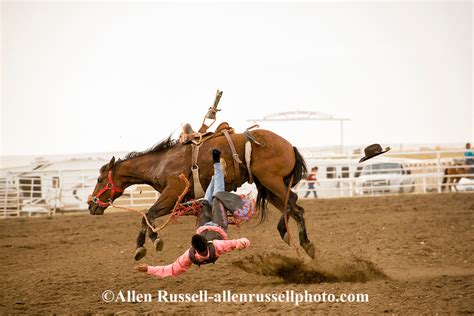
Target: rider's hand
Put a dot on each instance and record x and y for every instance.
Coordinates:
(243, 243)
(142, 267)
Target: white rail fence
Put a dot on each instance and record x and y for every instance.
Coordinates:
(420, 172)
(38, 192)
(48, 192)
(423, 182)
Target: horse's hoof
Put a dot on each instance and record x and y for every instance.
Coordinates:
(140, 253)
(286, 238)
(158, 244)
(309, 248)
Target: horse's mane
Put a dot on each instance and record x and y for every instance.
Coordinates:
(168, 142)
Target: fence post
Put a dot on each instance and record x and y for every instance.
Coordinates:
(5, 198)
(83, 182)
(438, 163)
(424, 184)
(18, 194)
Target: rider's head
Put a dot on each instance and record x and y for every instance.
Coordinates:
(199, 243)
(468, 145)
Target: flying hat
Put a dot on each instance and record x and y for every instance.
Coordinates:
(372, 151)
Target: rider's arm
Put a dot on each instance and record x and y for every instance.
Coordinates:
(223, 246)
(178, 267)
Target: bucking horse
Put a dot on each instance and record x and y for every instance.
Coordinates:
(275, 166)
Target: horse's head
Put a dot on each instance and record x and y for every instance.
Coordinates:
(106, 189)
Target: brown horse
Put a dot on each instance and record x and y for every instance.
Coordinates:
(274, 162)
(452, 175)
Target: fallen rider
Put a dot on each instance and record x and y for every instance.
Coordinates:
(210, 240)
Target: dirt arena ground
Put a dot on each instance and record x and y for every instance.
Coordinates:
(409, 254)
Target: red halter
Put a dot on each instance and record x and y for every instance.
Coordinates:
(110, 186)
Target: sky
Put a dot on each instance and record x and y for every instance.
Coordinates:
(85, 77)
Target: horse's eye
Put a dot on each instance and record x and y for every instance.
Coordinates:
(99, 180)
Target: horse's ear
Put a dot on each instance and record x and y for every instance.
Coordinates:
(111, 163)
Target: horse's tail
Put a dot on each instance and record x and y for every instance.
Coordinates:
(299, 172)
(262, 197)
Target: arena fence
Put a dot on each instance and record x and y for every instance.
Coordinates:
(48, 192)
(39, 192)
(424, 181)
(406, 172)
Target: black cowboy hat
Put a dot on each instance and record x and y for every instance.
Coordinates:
(372, 151)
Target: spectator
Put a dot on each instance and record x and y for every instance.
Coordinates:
(311, 180)
(469, 156)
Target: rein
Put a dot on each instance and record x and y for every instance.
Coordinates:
(174, 213)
